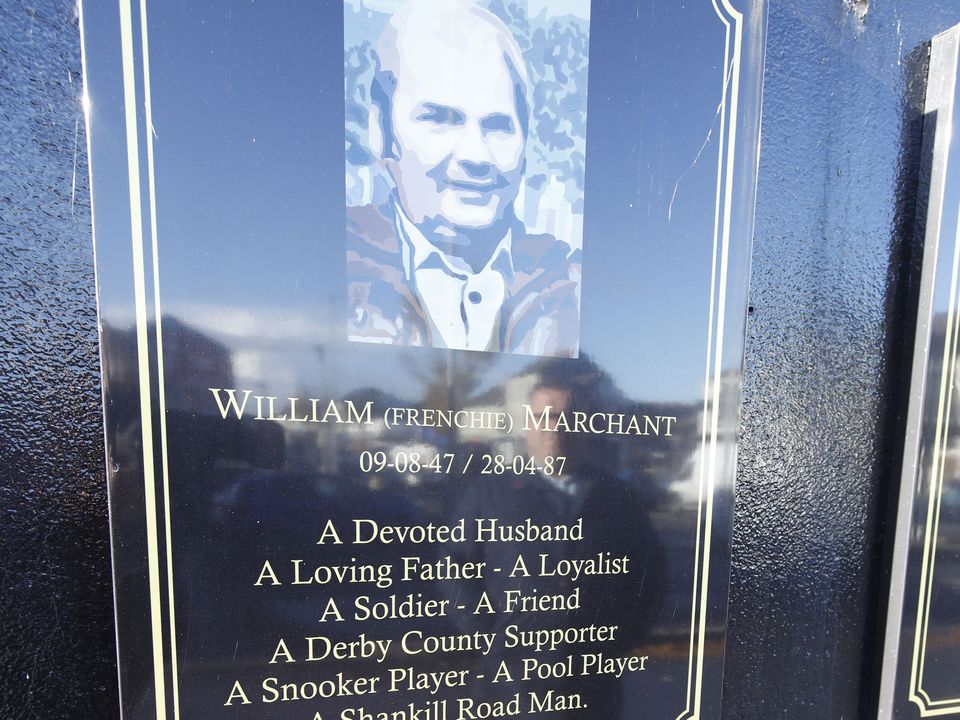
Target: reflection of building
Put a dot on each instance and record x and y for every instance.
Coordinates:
(687, 486)
(952, 454)
(193, 357)
(197, 361)
(510, 398)
(949, 536)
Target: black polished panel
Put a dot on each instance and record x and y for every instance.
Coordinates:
(922, 643)
(306, 526)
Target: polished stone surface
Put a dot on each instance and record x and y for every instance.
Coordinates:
(232, 293)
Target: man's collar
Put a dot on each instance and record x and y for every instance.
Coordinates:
(418, 252)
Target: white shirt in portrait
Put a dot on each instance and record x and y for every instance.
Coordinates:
(462, 307)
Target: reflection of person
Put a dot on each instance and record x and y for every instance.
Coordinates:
(446, 263)
(628, 593)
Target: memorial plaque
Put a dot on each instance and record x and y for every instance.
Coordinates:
(922, 646)
(422, 331)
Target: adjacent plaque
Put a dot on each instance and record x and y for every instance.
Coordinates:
(422, 330)
(922, 646)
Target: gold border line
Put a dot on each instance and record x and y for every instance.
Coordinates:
(942, 99)
(928, 707)
(148, 105)
(143, 362)
(711, 402)
(694, 648)
(721, 318)
(937, 489)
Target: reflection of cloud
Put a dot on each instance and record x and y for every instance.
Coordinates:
(274, 324)
(282, 350)
(248, 366)
(271, 350)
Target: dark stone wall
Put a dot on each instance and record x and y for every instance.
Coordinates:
(824, 370)
(56, 611)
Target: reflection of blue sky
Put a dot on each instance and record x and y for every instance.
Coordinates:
(248, 112)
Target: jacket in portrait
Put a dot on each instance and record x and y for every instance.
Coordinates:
(541, 310)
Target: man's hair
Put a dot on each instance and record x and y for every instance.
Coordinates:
(384, 82)
(588, 387)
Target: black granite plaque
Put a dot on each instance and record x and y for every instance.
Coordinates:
(422, 327)
(922, 646)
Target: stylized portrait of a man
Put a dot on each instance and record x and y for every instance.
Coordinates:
(444, 260)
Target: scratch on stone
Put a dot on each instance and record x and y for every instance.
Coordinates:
(899, 35)
(73, 188)
(696, 160)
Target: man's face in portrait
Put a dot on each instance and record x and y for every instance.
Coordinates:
(458, 140)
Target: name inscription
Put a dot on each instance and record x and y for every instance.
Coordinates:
(240, 404)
